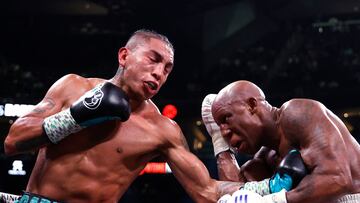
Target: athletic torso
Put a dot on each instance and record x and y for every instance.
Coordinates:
(100, 162)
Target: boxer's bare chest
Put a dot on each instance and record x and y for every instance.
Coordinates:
(138, 139)
(139, 136)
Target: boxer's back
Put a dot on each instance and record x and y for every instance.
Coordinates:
(108, 158)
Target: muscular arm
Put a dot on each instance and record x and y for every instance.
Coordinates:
(26, 133)
(260, 167)
(228, 168)
(323, 151)
(192, 173)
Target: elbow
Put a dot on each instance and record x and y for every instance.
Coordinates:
(207, 194)
(343, 182)
(9, 147)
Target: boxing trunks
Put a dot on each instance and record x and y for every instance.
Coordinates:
(352, 198)
(28, 197)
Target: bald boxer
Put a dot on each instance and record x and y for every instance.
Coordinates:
(265, 173)
(95, 136)
(247, 122)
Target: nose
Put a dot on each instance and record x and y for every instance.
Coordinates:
(225, 131)
(157, 71)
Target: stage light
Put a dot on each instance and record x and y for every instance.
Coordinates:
(170, 111)
(156, 168)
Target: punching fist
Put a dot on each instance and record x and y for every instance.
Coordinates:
(104, 102)
(289, 173)
(219, 143)
(241, 196)
(279, 197)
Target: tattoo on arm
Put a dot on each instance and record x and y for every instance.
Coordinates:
(48, 104)
(226, 187)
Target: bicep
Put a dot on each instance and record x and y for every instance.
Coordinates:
(188, 169)
(184, 164)
(26, 133)
(55, 98)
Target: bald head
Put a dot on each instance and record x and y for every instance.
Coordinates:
(239, 91)
(238, 110)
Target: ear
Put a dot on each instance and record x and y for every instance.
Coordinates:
(252, 103)
(122, 55)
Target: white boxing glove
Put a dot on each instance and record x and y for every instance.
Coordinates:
(225, 199)
(245, 196)
(278, 197)
(219, 143)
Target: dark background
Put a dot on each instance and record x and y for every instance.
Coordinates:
(291, 49)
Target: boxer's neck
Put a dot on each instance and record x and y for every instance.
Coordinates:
(118, 80)
(271, 126)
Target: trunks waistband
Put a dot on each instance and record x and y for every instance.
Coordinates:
(28, 197)
(351, 198)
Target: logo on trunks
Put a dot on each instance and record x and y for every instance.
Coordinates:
(240, 199)
(93, 98)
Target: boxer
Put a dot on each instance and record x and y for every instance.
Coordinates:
(95, 136)
(330, 153)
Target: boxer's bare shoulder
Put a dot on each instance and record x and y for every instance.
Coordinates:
(297, 118)
(168, 130)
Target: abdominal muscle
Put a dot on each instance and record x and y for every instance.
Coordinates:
(80, 182)
(83, 172)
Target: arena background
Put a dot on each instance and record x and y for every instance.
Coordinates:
(290, 48)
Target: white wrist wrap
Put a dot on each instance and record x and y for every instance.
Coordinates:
(260, 187)
(60, 125)
(279, 197)
(213, 129)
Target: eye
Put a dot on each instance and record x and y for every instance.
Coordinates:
(223, 119)
(226, 118)
(152, 59)
(167, 69)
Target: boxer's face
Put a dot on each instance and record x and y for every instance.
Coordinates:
(237, 125)
(146, 67)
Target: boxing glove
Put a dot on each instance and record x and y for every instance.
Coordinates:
(225, 199)
(219, 143)
(278, 197)
(289, 173)
(245, 196)
(104, 102)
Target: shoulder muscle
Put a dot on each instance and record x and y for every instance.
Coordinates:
(299, 117)
(57, 95)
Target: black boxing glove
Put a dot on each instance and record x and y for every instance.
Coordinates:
(105, 102)
(289, 173)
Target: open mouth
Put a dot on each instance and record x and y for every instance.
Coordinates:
(152, 85)
(240, 146)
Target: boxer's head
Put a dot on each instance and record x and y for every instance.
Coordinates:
(237, 110)
(146, 61)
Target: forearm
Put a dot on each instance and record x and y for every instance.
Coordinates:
(227, 187)
(25, 135)
(228, 168)
(318, 189)
(194, 177)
